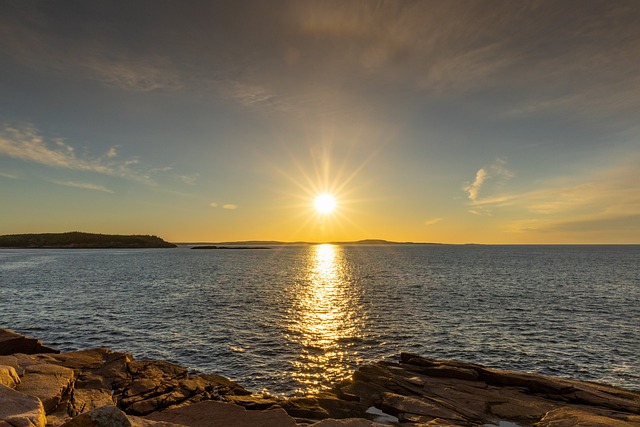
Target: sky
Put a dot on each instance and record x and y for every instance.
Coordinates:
(455, 121)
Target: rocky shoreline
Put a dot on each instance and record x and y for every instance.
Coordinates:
(40, 387)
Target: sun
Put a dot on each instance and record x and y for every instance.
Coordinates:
(325, 203)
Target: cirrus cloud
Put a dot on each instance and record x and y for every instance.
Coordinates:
(432, 221)
(27, 144)
(83, 185)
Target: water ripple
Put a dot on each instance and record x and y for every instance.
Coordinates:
(298, 319)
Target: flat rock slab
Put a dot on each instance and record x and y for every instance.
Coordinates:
(47, 382)
(87, 399)
(423, 391)
(215, 414)
(569, 417)
(143, 422)
(347, 422)
(20, 410)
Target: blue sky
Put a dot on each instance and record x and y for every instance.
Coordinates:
(458, 121)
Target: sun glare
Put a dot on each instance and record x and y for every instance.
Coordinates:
(325, 203)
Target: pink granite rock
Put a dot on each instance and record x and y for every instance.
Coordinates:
(20, 410)
(9, 376)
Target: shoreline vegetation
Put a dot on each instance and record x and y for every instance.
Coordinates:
(42, 387)
(79, 240)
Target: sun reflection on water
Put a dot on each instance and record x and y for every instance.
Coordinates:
(326, 321)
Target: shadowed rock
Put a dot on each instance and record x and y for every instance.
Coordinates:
(213, 414)
(346, 422)
(11, 342)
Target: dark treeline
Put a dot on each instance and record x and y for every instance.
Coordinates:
(77, 239)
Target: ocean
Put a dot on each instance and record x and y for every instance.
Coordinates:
(292, 320)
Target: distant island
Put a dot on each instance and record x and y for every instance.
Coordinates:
(78, 240)
(254, 243)
(229, 247)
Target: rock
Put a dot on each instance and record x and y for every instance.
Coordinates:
(346, 422)
(105, 416)
(9, 376)
(87, 399)
(13, 362)
(428, 408)
(253, 402)
(429, 391)
(20, 410)
(47, 382)
(159, 385)
(225, 385)
(213, 414)
(570, 417)
(143, 422)
(11, 343)
(325, 405)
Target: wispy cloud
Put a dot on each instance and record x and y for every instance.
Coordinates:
(26, 143)
(618, 225)
(473, 189)
(83, 185)
(9, 175)
(112, 152)
(188, 179)
(229, 206)
(599, 200)
(432, 221)
(498, 172)
(533, 49)
(141, 73)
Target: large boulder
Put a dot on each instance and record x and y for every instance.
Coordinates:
(20, 410)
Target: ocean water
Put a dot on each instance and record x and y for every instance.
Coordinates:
(295, 320)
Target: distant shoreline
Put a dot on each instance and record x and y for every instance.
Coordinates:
(79, 240)
(209, 247)
(267, 243)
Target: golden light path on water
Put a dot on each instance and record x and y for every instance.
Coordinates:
(326, 320)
